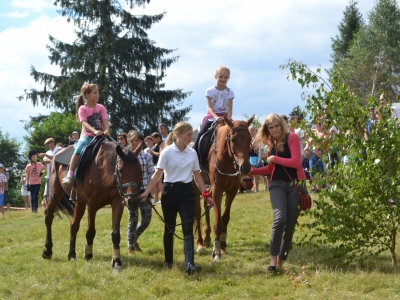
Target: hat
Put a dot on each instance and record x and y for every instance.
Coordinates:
(75, 132)
(49, 140)
(32, 152)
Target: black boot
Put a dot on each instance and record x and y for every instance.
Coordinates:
(190, 267)
(168, 250)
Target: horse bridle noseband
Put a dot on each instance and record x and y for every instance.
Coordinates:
(121, 186)
(228, 140)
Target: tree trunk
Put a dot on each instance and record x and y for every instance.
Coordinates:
(393, 249)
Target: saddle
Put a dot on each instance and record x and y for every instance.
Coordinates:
(85, 159)
(204, 145)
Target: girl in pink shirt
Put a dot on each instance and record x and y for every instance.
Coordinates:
(94, 120)
(33, 172)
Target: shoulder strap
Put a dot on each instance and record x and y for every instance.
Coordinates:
(294, 184)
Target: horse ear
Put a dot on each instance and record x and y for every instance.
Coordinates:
(229, 122)
(249, 121)
(138, 149)
(119, 150)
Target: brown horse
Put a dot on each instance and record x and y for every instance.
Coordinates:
(228, 159)
(113, 177)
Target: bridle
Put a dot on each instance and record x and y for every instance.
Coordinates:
(228, 142)
(121, 186)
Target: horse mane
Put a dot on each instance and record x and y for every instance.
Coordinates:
(108, 157)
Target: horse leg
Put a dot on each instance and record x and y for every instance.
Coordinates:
(207, 230)
(74, 228)
(225, 219)
(197, 222)
(217, 196)
(90, 233)
(55, 192)
(117, 210)
(48, 252)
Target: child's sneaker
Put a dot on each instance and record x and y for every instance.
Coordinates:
(67, 180)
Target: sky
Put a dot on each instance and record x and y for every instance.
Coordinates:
(253, 38)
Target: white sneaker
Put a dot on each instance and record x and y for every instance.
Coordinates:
(67, 180)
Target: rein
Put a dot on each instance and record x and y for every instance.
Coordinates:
(235, 164)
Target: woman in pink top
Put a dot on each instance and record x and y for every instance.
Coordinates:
(284, 163)
(33, 172)
(94, 119)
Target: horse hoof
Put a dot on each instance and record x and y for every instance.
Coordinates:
(216, 256)
(223, 251)
(73, 257)
(201, 250)
(45, 255)
(116, 265)
(216, 259)
(88, 257)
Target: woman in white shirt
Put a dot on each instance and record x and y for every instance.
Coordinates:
(180, 164)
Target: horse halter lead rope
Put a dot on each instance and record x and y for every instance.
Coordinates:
(235, 164)
(171, 226)
(122, 186)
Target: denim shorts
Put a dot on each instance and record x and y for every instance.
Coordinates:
(84, 140)
(254, 161)
(1, 199)
(316, 165)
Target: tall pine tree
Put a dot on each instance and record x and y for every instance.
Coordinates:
(112, 49)
(373, 65)
(351, 23)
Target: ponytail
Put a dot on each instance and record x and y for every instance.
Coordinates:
(79, 103)
(170, 139)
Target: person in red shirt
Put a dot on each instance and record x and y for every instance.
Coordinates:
(284, 165)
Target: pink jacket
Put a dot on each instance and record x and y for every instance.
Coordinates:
(293, 162)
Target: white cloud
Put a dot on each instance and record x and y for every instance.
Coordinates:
(36, 5)
(17, 15)
(251, 37)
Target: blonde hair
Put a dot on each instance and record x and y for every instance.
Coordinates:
(180, 128)
(222, 69)
(256, 142)
(264, 135)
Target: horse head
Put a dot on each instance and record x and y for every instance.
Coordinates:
(239, 141)
(128, 172)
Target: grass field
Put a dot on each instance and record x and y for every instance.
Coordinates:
(241, 274)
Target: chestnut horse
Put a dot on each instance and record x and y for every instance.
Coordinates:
(113, 177)
(228, 159)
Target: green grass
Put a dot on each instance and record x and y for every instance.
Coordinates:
(241, 274)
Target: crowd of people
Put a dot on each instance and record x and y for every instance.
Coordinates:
(281, 155)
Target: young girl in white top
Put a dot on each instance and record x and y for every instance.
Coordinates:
(94, 119)
(219, 102)
(180, 164)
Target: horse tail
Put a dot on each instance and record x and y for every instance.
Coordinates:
(66, 206)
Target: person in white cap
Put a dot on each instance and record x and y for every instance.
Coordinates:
(50, 143)
(74, 139)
